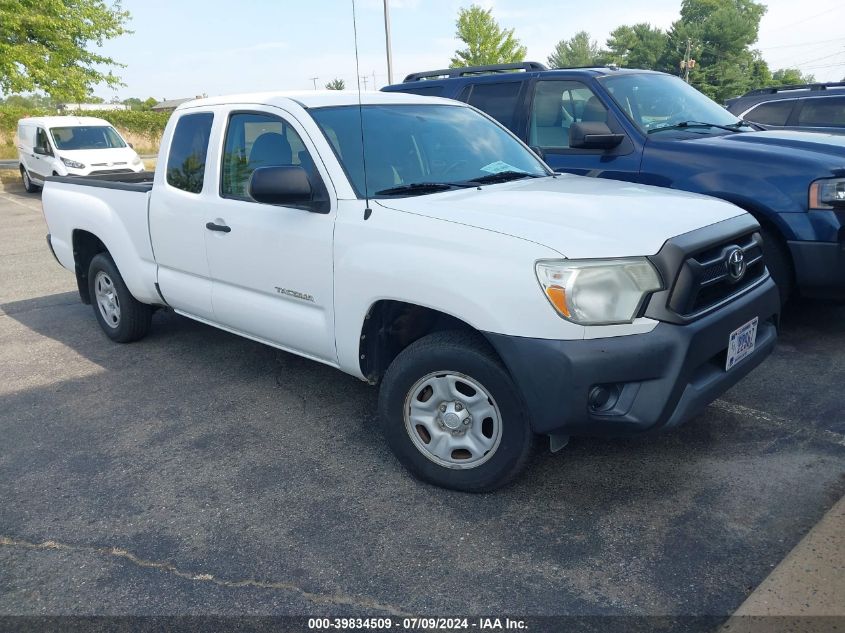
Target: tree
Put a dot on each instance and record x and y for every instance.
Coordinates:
(336, 84)
(149, 102)
(637, 46)
(791, 77)
(487, 43)
(721, 33)
(48, 45)
(580, 50)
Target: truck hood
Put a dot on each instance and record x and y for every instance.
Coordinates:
(577, 216)
(821, 143)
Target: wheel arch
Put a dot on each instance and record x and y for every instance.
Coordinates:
(391, 325)
(86, 246)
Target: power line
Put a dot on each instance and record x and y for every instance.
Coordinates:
(769, 48)
(807, 19)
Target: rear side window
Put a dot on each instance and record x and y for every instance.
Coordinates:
(771, 113)
(499, 100)
(824, 112)
(188, 151)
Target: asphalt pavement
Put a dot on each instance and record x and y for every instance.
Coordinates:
(196, 472)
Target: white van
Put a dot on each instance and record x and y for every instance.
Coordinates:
(71, 146)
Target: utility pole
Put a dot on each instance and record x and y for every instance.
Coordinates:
(687, 60)
(314, 79)
(387, 43)
(374, 80)
(364, 79)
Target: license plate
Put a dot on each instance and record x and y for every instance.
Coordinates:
(741, 343)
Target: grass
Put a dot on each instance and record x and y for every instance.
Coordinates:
(9, 176)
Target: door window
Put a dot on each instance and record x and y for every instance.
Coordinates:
(499, 100)
(256, 140)
(823, 112)
(556, 106)
(771, 113)
(42, 142)
(188, 151)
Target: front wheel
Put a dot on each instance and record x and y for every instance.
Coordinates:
(121, 316)
(452, 415)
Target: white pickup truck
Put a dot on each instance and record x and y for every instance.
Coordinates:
(415, 243)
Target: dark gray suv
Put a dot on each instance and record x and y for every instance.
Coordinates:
(809, 107)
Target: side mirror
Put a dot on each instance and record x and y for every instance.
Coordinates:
(593, 135)
(539, 151)
(40, 150)
(131, 145)
(286, 185)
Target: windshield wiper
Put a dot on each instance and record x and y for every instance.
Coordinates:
(502, 176)
(419, 188)
(685, 124)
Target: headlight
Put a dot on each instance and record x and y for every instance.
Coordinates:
(136, 160)
(828, 194)
(598, 291)
(72, 164)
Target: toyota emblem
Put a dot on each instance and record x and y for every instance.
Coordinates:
(736, 264)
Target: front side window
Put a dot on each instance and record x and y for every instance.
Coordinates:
(418, 149)
(771, 113)
(556, 106)
(256, 140)
(499, 100)
(41, 140)
(86, 137)
(823, 112)
(188, 151)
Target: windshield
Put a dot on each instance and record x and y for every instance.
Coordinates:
(420, 148)
(655, 102)
(86, 137)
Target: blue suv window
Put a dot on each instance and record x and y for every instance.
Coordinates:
(499, 100)
(556, 106)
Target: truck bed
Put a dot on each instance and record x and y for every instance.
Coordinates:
(141, 181)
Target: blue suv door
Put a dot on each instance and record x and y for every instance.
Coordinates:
(555, 102)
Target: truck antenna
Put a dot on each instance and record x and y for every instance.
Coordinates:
(367, 210)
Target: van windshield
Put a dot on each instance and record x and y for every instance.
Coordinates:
(86, 137)
(416, 149)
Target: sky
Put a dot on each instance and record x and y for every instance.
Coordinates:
(186, 48)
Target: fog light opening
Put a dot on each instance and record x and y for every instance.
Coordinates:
(603, 397)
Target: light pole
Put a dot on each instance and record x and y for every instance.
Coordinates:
(314, 79)
(387, 42)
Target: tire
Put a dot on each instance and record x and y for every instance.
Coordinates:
(122, 317)
(458, 368)
(779, 263)
(27, 182)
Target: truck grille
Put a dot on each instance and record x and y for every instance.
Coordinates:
(713, 276)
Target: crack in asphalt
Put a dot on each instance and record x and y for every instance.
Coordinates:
(774, 420)
(117, 552)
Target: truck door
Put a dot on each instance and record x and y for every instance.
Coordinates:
(556, 104)
(177, 212)
(271, 264)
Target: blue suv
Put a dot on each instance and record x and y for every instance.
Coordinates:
(653, 128)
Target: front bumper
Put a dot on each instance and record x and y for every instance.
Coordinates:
(660, 379)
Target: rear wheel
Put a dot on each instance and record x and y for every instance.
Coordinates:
(27, 181)
(121, 316)
(779, 263)
(452, 415)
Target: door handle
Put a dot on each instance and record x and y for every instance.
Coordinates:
(211, 226)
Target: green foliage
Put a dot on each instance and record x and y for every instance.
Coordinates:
(336, 84)
(637, 46)
(580, 50)
(48, 46)
(721, 33)
(791, 77)
(487, 43)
